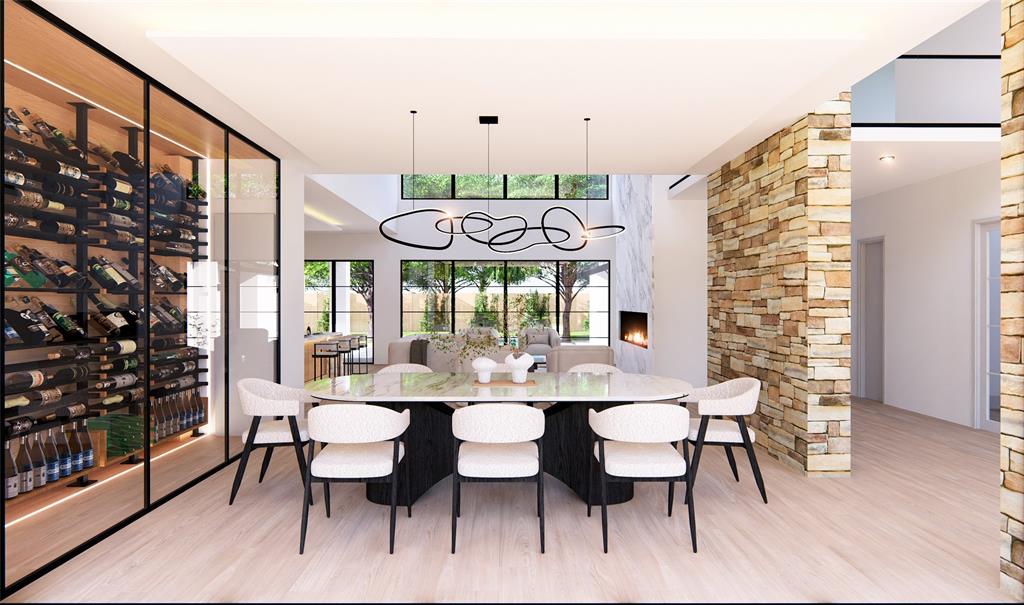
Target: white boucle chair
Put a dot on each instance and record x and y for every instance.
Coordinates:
(594, 368)
(405, 368)
(736, 398)
(364, 445)
(638, 442)
(261, 398)
(497, 442)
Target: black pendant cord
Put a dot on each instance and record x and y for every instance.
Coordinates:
(586, 176)
(413, 112)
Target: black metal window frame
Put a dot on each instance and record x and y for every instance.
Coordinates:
(453, 191)
(504, 263)
(333, 286)
(149, 504)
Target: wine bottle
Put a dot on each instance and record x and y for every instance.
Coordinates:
(117, 347)
(10, 473)
(129, 163)
(52, 458)
(176, 248)
(168, 342)
(13, 177)
(24, 268)
(30, 199)
(104, 154)
(109, 324)
(55, 227)
(63, 169)
(26, 480)
(116, 185)
(119, 221)
(106, 276)
(40, 396)
(28, 328)
(17, 426)
(13, 121)
(117, 203)
(168, 279)
(63, 452)
(200, 408)
(174, 385)
(128, 396)
(11, 335)
(18, 382)
(35, 452)
(123, 364)
(70, 354)
(117, 381)
(77, 451)
(117, 235)
(46, 265)
(68, 327)
(88, 454)
(74, 410)
(123, 270)
(52, 136)
(128, 315)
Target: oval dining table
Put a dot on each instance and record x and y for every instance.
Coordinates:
(567, 436)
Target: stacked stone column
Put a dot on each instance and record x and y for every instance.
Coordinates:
(779, 286)
(1011, 406)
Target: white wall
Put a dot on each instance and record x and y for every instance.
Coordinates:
(387, 256)
(679, 326)
(929, 288)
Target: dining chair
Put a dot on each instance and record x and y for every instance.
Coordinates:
(497, 442)
(736, 398)
(639, 442)
(405, 368)
(260, 398)
(364, 445)
(594, 368)
(326, 356)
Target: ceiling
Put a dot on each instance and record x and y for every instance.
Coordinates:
(915, 161)
(672, 87)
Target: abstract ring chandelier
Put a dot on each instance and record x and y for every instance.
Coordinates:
(501, 237)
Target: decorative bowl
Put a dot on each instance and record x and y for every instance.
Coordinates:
(483, 366)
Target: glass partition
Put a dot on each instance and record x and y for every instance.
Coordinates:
(252, 277)
(186, 260)
(122, 253)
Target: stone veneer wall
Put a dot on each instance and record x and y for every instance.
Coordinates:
(779, 286)
(1011, 402)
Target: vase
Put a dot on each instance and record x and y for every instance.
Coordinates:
(483, 366)
(519, 366)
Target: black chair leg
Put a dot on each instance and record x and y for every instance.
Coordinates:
(408, 496)
(689, 510)
(458, 500)
(455, 516)
(246, 450)
(749, 446)
(308, 493)
(671, 493)
(327, 498)
(394, 508)
(266, 463)
(540, 504)
(297, 442)
(732, 462)
(604, 501)
(590, 478)
(686, 457)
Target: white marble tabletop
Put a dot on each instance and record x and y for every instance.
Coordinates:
(443, 386)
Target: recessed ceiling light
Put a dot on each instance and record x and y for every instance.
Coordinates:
(888, 159)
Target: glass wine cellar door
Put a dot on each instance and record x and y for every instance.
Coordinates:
(130, 309)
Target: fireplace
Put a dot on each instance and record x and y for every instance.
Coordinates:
(633, 328)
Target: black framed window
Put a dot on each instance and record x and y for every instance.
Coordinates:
(505, 186)
(449, 296)
(338, 297)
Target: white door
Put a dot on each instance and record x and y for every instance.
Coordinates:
(872, 321)
(987, 326)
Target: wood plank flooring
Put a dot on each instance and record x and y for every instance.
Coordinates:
(917, 521)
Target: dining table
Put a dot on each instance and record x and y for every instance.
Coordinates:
(433, 397)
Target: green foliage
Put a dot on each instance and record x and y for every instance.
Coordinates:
(479, 186)
(427, 186)
(573, 186)
(536, 309)
(531, 186)
(323, 324)
(317, 274)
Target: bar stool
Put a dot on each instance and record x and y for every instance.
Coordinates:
(325, 359)
(364, 347)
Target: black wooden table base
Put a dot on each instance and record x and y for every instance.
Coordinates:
(429, 442)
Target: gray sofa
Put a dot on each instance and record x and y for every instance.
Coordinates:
(561, 359)
(539, 340)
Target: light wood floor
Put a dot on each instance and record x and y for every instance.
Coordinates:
(917, 521)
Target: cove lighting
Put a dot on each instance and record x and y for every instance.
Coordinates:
(98, 106)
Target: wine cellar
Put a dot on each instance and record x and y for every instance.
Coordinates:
(123, 291)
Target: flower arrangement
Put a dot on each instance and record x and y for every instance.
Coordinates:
(464, 346)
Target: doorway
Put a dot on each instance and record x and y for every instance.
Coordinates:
(871, 323)
(986, 325)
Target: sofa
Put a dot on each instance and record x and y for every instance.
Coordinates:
(561, 359)
(439, 361)
(539, 340)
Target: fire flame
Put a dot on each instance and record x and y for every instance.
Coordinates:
(637, 338)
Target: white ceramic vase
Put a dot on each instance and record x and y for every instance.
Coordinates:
(519, 366)
(483, 366)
